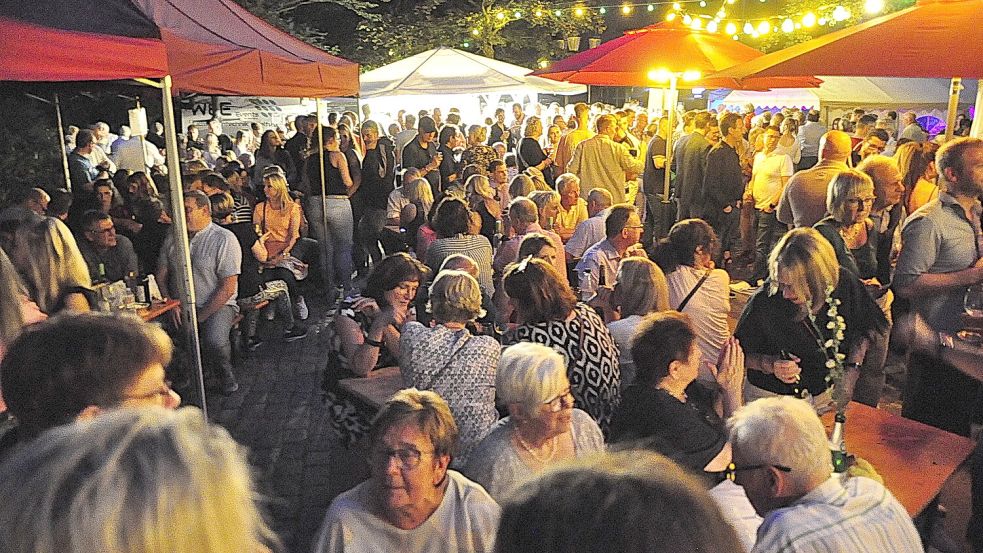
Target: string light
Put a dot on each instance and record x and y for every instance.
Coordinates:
(809, 20)
(788, 26)
(500, 15)
(602, 10)
(764, 28)
(841, 14)
(475, 32)
(650, 8)
(539, 13)
(731, 28)
(676, 6)
(517, 14)
(873, 6)
(626, 9)
(712, 26)
(697, 24)
(703, 3)
(822, 21)
(748, 28)
(721, 13)
(579, 12)
(670, 16)
(687, 19)
(558, 13)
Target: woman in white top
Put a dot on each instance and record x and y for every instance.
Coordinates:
(789, 142)
(686, 256)
(639, 289)
(542, 428)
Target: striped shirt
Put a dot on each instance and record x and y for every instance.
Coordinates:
(476, 247)
(857, 515)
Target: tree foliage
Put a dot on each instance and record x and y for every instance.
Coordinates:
(795, 9)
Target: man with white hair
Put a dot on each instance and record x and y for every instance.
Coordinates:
(591, 231)
(102, 140)
(133, 154)
(573, 208)
(782, 459)
(912, 130)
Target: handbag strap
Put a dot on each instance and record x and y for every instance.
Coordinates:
(436, 374)
(682, 305)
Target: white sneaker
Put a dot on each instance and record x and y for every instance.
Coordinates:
(302, 311)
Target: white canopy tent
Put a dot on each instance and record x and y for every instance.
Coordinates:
(838, 94)
(455, 78)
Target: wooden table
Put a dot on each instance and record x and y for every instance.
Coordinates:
(157, 309)
(376, 388)
(914, 459)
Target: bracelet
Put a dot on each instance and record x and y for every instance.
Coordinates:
(373, 343)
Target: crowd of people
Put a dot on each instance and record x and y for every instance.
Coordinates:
(559, 323)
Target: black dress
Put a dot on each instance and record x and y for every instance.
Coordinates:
(532, 154)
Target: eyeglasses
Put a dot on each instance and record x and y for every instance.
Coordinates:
(162, 392)
(558, 403)
(733, 469)
(860, 201)
(110, 230)
(408, 458)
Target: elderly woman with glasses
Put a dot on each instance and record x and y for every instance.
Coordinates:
(542, 428)
(449, 360)
(412, 502)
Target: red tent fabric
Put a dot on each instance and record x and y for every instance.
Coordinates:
(628, 59)
(217, 47)
(207, 46)
(934, 38)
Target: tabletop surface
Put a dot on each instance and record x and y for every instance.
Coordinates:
(157, 309)
(914, 459)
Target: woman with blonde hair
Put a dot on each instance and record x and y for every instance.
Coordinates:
(531, 154)
(136, 480)
(478, 153)
(521, 185)
(916, 160)
(640, 289)
(548, 203)
(786, 323)
(414, 215)
(481, 197)
(449, 360)
(52, 267)
(542, 428)
(277, 222)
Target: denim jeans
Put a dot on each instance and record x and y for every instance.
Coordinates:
(335, 239)
(216, 348)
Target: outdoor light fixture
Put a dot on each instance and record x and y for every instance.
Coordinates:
(670, 16)
(703, 3)
(764, 28)
(676, 6)
(748, 28)
(809, 20)
(626, 9)
(475, 32)
(788, 26)
(731, 29)
(712, 26)
(687, 19)
(579, 12)
(721, 13)
(841, 14)
(539, 13)
(873, 6)
(660, 75)
(650, 7)
(691, 75)
(500, 15)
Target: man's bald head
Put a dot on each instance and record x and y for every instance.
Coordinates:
(835, 146)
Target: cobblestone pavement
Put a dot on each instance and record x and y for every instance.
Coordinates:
(277, 414)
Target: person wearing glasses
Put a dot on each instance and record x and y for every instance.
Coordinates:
(412, 502)
(542, 429)
(75, 367)
(108, 255)
(782, 460)
(623, 230)
(850, 231)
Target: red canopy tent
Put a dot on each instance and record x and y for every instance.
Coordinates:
(934, 38)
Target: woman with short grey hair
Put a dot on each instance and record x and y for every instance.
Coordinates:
(542, 428)
(448, 359)
(412, 503)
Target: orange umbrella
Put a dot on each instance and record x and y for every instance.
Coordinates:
(630, 59)
(934, 38)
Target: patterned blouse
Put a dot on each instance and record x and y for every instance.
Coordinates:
(458, 366)
(592, 359)
(480, 155)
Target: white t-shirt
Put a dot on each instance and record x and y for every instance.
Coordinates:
(465, 522)
(766, 179)
(707, 309)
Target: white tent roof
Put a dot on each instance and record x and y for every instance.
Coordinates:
(881, 91)
(449, 71)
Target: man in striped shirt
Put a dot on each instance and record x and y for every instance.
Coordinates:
(783, 461)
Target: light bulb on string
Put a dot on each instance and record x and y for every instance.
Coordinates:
(579, 12)
(538, 13)
(626, 9)
(788, 26)
(670, 16)
(517, 14)
(602, 10)
(712, 26)
(543, 64)
(735, 37)
(475, 32)
(703, 3)
(873, 6)
(748, 28)
(650, 7)
(558, 13)
(731, 1)
(841, 14)
(764, 28)
(687, 19)
(500, 15)
(676, 6)
(822, 21)
(809, 20)
(721, 13)
(697, 24)
(731, 28)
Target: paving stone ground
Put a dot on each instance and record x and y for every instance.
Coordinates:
(278, 415)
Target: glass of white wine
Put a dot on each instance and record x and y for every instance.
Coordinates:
(973, 306)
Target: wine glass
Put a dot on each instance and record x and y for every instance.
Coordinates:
(973, 301)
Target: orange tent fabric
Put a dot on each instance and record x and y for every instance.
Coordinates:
(628, 59)
(934, 38)
(217, 47)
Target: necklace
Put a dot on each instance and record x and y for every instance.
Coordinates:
(529, 450)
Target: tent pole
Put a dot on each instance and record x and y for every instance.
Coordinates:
(61, 143)
(179, 233)
(950, 118)
(671, 103)
(324, 200)
(977, 129)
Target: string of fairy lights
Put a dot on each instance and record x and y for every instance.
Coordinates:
(684, 10)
